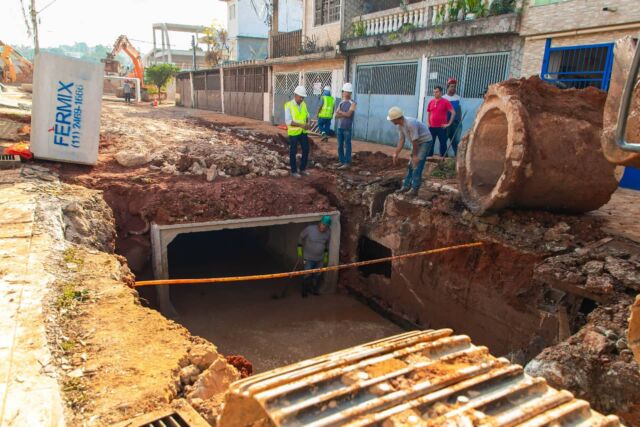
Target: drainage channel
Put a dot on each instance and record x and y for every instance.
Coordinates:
(268, 322)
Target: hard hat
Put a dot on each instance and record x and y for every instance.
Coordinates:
(301, 91)
(326, 220)
(347, 87)
(327, 88)
(395, 113)
(452, 81)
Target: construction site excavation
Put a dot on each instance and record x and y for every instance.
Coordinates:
(216, 249)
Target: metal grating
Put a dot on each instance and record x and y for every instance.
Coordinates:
(475, 73)
(578, 66)
(184, 416)
(286, 83)
(9, 161)
(421, 378)
(387, 79)
(315, 82)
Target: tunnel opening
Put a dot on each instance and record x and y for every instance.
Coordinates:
(369, 250)
(489, 151)
(267, 321)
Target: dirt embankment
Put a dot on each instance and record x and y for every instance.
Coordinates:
(113, 358)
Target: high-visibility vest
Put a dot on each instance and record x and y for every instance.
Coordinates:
(299, 114)
(327, 107)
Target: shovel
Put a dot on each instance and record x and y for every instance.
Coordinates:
(286, 288)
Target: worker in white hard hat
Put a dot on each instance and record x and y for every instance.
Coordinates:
(325, 114)
(297, 119)
(344, 118)
(417, 133)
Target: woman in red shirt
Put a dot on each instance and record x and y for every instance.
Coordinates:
(438, 122)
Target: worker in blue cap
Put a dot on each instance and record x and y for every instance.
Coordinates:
(313, 249)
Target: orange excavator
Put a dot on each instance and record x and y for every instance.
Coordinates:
(112, 66)
(14, 66)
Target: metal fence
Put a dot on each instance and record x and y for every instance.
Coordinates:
(283, 86)
(474, 72)
(578, 66)
(286, 44)
(387, 79)
(245, 79)
(315, 82)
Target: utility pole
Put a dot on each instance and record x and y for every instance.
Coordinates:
(193, 45)
(34, 24)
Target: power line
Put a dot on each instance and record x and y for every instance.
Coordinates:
(45, 8)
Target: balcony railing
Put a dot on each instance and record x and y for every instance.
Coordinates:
(417, 15)
(286, 44)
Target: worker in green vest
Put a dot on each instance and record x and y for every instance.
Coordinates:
(297, 120)
(326, 113)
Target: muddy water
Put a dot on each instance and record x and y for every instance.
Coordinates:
(269, 323)
(245, 319)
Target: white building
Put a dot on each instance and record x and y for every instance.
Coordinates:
(247, 25)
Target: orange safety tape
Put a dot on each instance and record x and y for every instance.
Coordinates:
(304, 272)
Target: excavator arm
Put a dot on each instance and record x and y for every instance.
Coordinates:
(9, 75)
(123, 44)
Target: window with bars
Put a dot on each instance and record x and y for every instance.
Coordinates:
(327, 11)
(578, 66)
(387, 79)
(315, 82)
(286, 83)
(475, 73)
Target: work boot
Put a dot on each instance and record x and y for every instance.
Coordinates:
(403, 190)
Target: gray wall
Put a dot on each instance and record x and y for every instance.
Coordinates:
(283, 240)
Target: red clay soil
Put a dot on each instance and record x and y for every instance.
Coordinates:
(241, 364)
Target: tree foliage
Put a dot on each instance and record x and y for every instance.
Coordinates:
(160, 75)
(216, 39)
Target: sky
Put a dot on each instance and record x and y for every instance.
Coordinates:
(101, 22)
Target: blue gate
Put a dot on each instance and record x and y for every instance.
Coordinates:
(578, 66)
(378, 88)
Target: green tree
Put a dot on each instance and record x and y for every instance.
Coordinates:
(160, 75)
(216, 38)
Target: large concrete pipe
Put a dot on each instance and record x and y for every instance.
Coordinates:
(624, 51)
(536, 146)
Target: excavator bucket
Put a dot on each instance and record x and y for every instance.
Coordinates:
(423, 378)
(633, 338)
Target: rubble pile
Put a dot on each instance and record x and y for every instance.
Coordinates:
(596, 364)
(193, 150)
(598, 271)
(220, 158)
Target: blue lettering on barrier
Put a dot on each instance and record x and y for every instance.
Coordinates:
(68, 117)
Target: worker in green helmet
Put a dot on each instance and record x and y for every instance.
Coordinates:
(313, 250)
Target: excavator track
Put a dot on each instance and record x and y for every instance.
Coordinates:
(425, 378)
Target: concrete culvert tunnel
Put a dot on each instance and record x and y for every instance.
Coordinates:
(266, 321)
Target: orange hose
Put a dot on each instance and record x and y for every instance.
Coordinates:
(304, 272)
